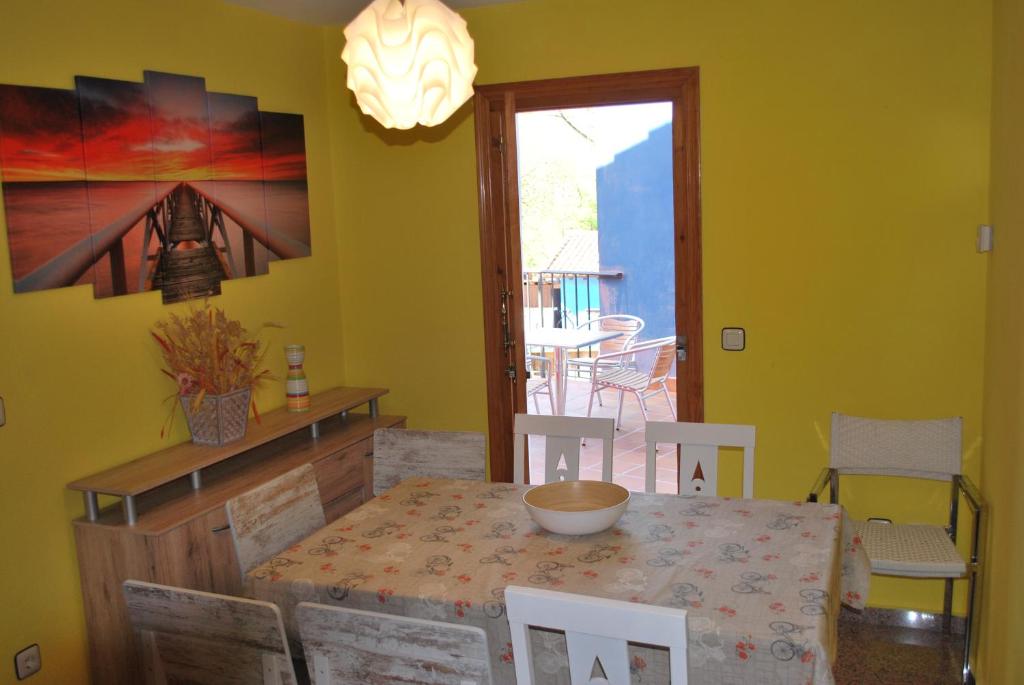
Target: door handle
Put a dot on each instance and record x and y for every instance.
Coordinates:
(681, 348)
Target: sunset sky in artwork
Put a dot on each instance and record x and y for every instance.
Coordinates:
(167, 128)
(40, 135)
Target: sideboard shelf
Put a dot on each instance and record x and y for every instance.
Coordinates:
(180, 535)
(152, 471)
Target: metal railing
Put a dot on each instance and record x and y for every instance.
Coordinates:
(562, 299)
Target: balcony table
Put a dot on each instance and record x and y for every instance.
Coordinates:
(761, 580)
(562, 339)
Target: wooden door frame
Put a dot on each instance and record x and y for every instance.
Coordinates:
(501, 263)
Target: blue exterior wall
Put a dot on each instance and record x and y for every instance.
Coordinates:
(635, 233)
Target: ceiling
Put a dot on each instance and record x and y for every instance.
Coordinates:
(329, 12)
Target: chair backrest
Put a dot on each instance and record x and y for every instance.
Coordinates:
(596, 630)
(275, 516)
(930, 448)
(698, 463)
(563, 435)
(354, 647)
(661, 366)
(187, 636)
(664, 353)
(399, 453)
(630, 327)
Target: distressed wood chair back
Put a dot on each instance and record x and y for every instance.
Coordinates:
(698, 462)
(354, 647)
(399, 453)
(187, 636)
(275, 516)
(597, 633)
(563, 435)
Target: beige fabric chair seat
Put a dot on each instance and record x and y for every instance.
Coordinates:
(918, 550)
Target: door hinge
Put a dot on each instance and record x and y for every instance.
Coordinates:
(510, 371)
(507, 341)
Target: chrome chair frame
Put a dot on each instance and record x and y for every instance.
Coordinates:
(961, 486)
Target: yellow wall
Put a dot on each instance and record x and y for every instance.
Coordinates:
(79, 377)
(1002, 474)
(845, 167)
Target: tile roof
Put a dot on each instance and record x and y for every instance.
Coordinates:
(577, 253)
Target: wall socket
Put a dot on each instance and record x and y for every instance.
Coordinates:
(27, 662)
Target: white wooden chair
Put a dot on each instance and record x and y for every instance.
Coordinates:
(930, 449)
(399, 453)
(621, 377)
(353, 647)
(597, 631)
(630, 327)
(275, 516)
(563, 435)
(539, 385)
(699, 444)
(187, 636)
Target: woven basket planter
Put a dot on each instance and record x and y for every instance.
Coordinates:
(219, 419)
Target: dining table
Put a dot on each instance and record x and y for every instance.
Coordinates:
(761, 580)
(561, 340)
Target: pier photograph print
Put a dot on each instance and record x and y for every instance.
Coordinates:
(152, 185)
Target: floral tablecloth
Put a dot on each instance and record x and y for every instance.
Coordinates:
(761, 580)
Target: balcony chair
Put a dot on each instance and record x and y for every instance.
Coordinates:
(629, 325)
(617, 375)
(596, 630)
(698, 462)
(399, 453)
(929, 449)
(275, 516)
(187, 636)
(354, 647)
(539, 385)
(563, 435)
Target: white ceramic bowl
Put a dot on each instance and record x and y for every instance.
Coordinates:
(576, 507)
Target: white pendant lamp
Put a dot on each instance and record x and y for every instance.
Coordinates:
(409, 62)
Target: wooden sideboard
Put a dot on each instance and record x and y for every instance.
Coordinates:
(171, 526)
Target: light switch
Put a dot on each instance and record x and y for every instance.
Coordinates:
(734, 339)
(984, 238)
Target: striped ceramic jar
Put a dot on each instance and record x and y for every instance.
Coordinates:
(296, 386)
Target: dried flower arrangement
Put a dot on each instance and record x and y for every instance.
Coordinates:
(209, 354)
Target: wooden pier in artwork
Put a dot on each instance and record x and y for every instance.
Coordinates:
(193, 255)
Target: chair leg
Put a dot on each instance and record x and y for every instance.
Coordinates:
(599, 402)
(668, 397)
(643, 406)
(590, 404)
(536, 402)
(947, 608)
(972, 592)
(551, 401)
(618, 416)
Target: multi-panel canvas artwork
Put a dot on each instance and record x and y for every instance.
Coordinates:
(158, 185)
